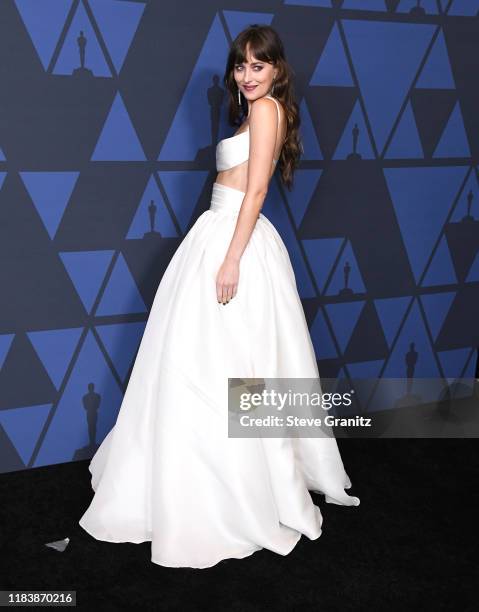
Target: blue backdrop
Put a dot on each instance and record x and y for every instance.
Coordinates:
(109, 115)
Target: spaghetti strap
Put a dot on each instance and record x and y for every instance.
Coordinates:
(279, 116)
(277, 106)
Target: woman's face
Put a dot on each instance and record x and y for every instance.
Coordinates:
(254, 78)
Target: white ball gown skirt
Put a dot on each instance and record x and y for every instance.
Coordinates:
(167, 472)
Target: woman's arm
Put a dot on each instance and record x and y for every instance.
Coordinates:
(263, 126)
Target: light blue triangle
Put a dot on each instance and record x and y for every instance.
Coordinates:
(412, 331)
(389, 390)
(366, 373)
(23, 426)
(68, 431)
(121, 343)
(308, 134)
(118, 140)
(183, 188)
(182, 142)
(467, 8)
(453, 141)
(141, 221)
(365, 369)
(384, 74)
(50, 193)
(453, 361)
(237, 21)
(436, 306)
(69, 57)
(44, 22)
(422, 199)
(332, 67)
(345, 144)
(5, 344)
(355, 280)
(321, 254)
(118, 23)
(305, 182)
(406, 143)
(364, 5)
(55, 348)
(437, 73)
(344, 318)
(87, 270)
(441, 269)
(391, 313)
(473, 275)
(322, 340)
(121, 295)
(471, 365)
(324, 3)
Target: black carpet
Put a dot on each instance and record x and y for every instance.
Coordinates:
(410, 545)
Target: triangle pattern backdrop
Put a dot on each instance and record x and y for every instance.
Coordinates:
(107, 157)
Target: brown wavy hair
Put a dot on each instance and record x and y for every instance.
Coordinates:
(265, 44)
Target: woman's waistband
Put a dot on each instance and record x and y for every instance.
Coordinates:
(226, 199)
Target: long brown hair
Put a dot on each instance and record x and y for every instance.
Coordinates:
(265, 44)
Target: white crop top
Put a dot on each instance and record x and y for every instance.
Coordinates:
(231, 152)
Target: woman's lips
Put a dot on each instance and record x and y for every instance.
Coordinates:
(250, 88)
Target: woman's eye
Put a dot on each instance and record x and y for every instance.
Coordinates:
(258, 67)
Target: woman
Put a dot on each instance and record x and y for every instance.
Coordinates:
(227, 306)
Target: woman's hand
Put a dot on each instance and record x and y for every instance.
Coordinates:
(227, 280)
